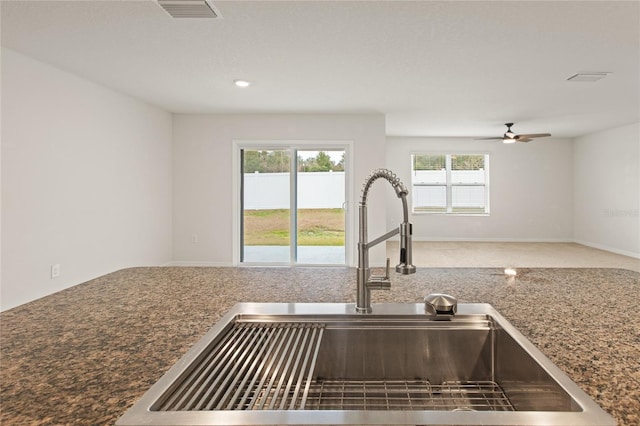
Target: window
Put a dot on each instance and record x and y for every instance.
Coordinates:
(450, 183)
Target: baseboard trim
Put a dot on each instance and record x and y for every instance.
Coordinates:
(609, 249)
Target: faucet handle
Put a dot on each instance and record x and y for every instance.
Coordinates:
(381, 282)
(378, 283)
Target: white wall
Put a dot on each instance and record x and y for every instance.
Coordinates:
(86, 180)
(202, 171)
(531, 190)
(607, 190)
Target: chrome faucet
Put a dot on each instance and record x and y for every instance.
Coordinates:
(367, 282)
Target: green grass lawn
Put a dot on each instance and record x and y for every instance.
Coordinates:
(316, 227)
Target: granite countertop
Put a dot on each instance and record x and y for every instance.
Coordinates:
(83, 356)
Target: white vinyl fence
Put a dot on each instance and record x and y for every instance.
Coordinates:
(316, 190)
(429, 188)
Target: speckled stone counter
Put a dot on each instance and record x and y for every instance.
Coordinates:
(86, 354)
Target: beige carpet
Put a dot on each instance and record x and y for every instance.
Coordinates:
(500, 254)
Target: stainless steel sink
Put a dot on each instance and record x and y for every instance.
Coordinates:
(323, 364)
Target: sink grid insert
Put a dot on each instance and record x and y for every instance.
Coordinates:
(406, 395)
(254, 366)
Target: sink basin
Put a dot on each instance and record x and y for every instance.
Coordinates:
(323, 364)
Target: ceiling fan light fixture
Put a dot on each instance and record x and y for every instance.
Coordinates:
(511, 137)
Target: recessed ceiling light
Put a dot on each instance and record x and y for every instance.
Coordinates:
(242, 83)
(588, 76)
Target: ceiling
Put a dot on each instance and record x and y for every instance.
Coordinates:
(433, 68)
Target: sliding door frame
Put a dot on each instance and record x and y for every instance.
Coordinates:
(301, 145)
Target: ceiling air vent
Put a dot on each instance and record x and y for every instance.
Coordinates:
(588, 77)
(189, 8)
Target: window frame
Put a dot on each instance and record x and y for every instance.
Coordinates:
(448, 184)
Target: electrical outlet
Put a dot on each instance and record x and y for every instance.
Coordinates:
(194, 238)
(55, 270)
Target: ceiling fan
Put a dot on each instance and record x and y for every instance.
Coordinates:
(511, 137)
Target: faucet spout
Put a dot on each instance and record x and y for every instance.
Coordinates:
(405, 267)
(365, 281)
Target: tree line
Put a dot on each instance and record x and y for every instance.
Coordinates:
(438, 162)
(280, 162)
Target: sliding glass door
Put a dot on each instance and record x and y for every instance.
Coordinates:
(320, 213)
(293, 206)
(266, 206)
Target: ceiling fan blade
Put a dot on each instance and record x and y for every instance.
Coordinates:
(535, 135)
(490, 139)
(521, 139)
